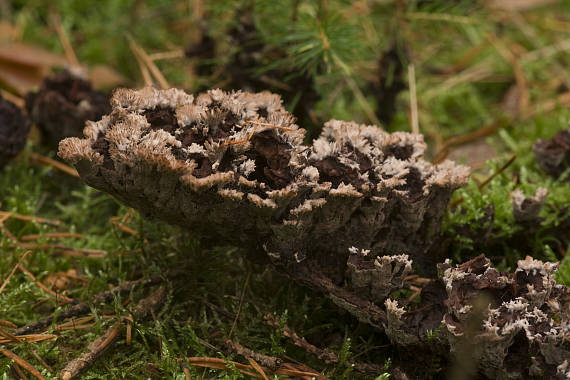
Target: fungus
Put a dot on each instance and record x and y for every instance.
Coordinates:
(63, 104)
(14, 129)
(526, 209)
(516, 324)
(553, 155)
(201, 161)
(347, 215)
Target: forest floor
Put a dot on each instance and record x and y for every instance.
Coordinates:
(482, 82)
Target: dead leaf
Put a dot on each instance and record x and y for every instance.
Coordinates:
(23, 67)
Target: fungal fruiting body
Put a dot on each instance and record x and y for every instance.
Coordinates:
(347, 215)
(62, 105)
(14, 129)
(200, 161)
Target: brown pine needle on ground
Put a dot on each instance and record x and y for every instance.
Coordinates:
(5, 283)
(22, 363)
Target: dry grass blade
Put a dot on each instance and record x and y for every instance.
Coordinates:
(146, 60)
(22, 363)
(46, 161)
(20, 102)
(218, 363)
(413, 99)
(64, 40)
(5, 283)
(441, 17)
(147, 78)
(296, 372)
(240, 304)
(9, 338)
(167, 55)
(64, 250)
(8, 324)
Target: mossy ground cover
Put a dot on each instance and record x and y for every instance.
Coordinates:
(478, 71)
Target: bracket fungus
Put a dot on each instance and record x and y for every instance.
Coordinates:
(14, 129)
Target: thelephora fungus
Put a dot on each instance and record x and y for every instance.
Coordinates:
(64, 102)
(553, 155)
(14, 129)
(347, 215)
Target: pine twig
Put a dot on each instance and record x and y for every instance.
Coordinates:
(270, 362)
(322, 354)
(106, 341)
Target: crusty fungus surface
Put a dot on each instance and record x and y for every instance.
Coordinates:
(512, 325)
(347, 215)
(232, 166)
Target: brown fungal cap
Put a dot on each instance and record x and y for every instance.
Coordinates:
(63, 104)
(14, 129)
